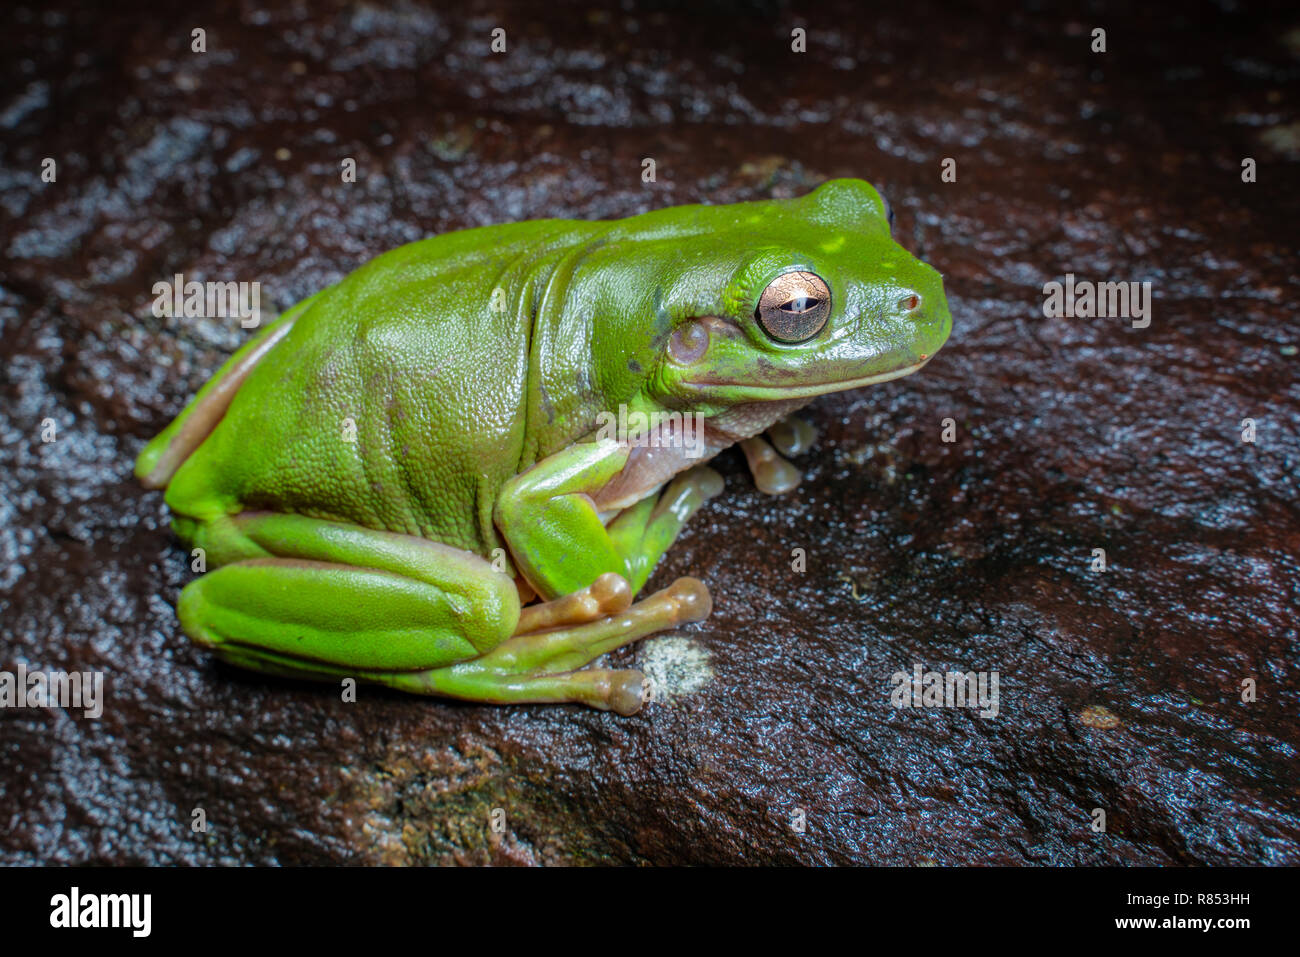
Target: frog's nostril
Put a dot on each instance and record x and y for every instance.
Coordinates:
(910, 303)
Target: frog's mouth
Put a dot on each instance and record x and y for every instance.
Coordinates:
(751, 390)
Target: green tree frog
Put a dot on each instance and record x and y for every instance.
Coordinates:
(416, 477)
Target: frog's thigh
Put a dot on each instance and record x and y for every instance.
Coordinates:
(323, 613)
(327, 595)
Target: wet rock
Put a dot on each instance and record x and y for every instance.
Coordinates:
(776, 739)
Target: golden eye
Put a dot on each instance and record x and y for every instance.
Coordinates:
(794, 307)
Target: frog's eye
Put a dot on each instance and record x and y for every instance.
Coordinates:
(794, 307)
(889, 213)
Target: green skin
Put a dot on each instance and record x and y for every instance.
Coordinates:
(352, 471)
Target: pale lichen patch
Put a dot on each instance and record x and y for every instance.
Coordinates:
(675, 666)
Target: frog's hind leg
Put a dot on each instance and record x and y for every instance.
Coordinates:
(309, 598)
(532, 665)
(317, 619)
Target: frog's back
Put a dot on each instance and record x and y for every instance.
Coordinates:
(397, 400)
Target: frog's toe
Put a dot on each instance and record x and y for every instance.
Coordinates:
(627, 691)
(684, 495)
(694, 603)
(705, 480)
(557, 650)
(607, 595)
(772, 474)
(792, 435)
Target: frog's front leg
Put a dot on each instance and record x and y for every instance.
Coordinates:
(308, 598)
(557, 535)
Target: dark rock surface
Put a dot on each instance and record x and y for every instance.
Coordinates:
(1119, 690)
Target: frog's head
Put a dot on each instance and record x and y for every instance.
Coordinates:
(809, 296)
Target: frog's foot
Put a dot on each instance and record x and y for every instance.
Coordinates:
(538, 663)
(792, 435)
(772, 474)
(607, 595)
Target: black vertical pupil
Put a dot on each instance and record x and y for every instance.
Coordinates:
(800, 304)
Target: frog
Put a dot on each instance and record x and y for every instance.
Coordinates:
(409, 478)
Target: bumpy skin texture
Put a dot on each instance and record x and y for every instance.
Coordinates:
(447, 391)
